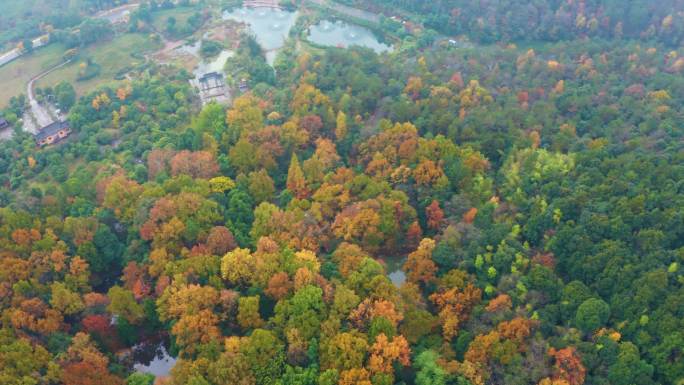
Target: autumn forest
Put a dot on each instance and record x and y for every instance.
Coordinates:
(506, 211)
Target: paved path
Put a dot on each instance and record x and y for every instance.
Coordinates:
(40, 115)
(15, 53)
(118, 14)
(6, 133)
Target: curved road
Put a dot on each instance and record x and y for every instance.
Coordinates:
(41, 116)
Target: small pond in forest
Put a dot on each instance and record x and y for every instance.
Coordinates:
(213, 64)
(395, 270)
(152, 358)
(270, 26)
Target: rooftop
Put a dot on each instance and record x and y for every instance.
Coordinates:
(210, 75)
(50, 129)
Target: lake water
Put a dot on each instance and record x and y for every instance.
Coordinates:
(153, 359)
(270, 26)
(214, 64)
(398, 277)
(342, 34)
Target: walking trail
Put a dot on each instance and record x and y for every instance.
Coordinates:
(39, 116)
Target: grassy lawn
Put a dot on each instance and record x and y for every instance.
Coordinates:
(15, 75)
(112, 56)
(181, 14)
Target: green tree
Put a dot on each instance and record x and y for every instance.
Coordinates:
(592, 314)
(138, 378)
(65, 95)
(429, 372)
(171, 25)
(248, 313)
(123, 304)
(27, 44)
(261, 186)
(667, 357)
(306, 310)
(65, 300)
(265, 354)
(211, 120)
(574, 294)
(629, 368)
(240, 215)
(20, 361)
(107, 260)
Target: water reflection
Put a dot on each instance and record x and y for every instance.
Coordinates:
(192, 49)
(205, 66)
(341, 34)
(326, 26)
(153, 359)
(395, 267)
(214, 65)
(270, 26)
(398, 277)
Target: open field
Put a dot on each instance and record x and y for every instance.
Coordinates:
(16, 74)
(113, 57)
(181, 14)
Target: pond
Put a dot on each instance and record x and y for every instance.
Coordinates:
(398, 277)
(153, 359)
(201, 67)
(395, 270)
(342, 34)
(270, 26)
(213, 64)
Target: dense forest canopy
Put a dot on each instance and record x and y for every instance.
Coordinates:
(546, 20)
(528, 195)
